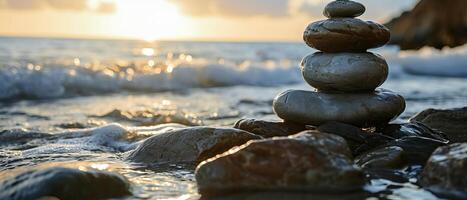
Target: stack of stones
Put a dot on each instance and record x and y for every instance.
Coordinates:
(343, 72)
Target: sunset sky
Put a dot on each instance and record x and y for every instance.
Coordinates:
(234, 20)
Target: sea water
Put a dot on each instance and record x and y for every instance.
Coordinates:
(90, 94)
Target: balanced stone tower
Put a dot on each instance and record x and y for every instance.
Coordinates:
(343, 72)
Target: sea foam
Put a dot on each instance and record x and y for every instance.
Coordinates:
(449, 62)
(279, 66)
(58, 80)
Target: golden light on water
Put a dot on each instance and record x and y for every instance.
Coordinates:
(147, 51)
(100, 166)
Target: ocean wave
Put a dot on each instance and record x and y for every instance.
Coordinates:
(449, 62)
(26, 80)
(54, 81)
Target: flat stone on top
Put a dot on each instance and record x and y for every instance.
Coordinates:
(344, 8)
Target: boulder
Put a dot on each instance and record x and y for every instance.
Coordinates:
(452, 122)
(189, 145)
(346, 72)
(64, 183)
(446, 171)
(268, 129)
(345, 35)
(362, 109)
(309, 161)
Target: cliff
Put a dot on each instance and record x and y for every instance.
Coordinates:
(435, 23)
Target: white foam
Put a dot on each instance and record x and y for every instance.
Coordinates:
(278, 68)
(58, 80)
(109, 138)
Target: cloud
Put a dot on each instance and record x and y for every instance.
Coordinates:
(71, 5)
(378, 10)
(235, 8)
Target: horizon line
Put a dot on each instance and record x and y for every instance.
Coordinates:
(75, 37)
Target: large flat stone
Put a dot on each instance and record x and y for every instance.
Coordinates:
(363, 110)
(347, 72)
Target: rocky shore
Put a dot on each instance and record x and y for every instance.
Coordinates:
(257, 159)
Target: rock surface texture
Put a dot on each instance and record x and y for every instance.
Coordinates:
(308, 161)
(189, 145)
(445, 171)
(345, 74)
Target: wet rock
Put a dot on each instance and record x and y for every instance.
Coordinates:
(387, 157)
(347, 131)
(269, 129)
(64, 183)
(309, 161)
(359, 140)
(417, 150)
(345, 35)
(344, 8)
(354, 136)
(452, 122)
(189, 145)
(372, 141)
(362, 110)
(347, 72)
(446, 171)
(412, 129)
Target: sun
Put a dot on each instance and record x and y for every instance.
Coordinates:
(149, 19)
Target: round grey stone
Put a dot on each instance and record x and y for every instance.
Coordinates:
(345, 35)
(344, 8)
(346, 72)
(363, 110)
